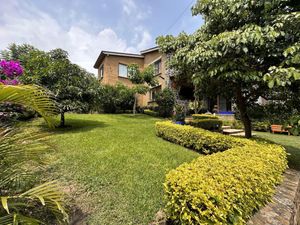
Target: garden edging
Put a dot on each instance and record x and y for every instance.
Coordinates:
(284, 209)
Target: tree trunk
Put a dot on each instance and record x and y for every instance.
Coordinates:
(241, 104)
(62, 119)
(134, 105)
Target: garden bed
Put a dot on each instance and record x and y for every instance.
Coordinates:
(222, 188)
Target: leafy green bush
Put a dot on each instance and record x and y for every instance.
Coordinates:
(261, 126)
(196, 138)
(165, 101)
(204, 116)
(294, 122)
(226, 187)
(179, 113)
(150, 112)
(207, 124)
(116, 98)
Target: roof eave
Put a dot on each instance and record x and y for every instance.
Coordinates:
(107, 53)
(149, 50)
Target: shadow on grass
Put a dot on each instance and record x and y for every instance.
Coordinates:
(293, 157)
(138, 116)
(74, 125)
(79, 125)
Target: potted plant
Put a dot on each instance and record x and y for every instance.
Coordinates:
(179, 114)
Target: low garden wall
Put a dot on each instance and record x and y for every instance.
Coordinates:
(222, 188)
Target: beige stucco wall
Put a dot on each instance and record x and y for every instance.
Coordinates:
(111, 71)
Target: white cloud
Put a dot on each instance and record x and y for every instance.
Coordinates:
(21, 22)
(131, 9)
(145, 41)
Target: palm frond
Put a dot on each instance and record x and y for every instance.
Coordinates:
(19, 152)
(32, 96)
(47, 195)
(16, 219)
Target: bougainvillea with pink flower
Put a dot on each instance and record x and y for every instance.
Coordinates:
(9, 72)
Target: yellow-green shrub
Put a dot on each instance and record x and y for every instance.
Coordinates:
(207, 124)
(226, 187)
(222, 188)
(150, 112)
(196, 138)
(204, 116)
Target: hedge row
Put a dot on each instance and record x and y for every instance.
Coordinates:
(226, 187)
(222, 188)
(207, 124)
(151, 112)
(198, 139)
(204, 116)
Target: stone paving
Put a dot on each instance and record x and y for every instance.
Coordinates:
(285, 207)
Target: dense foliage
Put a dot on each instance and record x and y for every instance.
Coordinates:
(204, 116)
(74, 88)
(294, 123)
(116, 98)
(226, 187)
(243, 46)
(247, 170)
(207, 124)
(22, 202)
(201, 140)
(179, 113)
(150, 112)
(165, 100)
(10, 71)
(142, 80)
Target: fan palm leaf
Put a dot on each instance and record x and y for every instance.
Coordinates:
(32, 96)
(20, 153)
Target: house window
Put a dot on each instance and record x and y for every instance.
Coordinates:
(157, 67)
(101, 71)
(123, 71)
(153, 93)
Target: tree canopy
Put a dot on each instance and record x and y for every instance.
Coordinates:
(142, 79)
(73, 87)
(244, 45)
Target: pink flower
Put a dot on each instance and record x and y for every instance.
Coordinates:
(9, 82)
(9, 71)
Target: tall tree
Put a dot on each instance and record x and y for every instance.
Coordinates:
(74, 88)
(142, 79)
(244, 45)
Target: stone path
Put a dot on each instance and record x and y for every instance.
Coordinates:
(285, 208)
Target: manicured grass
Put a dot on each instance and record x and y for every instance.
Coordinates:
(291, 143)
(119, 161)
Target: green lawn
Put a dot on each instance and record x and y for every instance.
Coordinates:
(291, 143)
(120, 163)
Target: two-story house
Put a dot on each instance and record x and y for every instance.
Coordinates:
(112, 68)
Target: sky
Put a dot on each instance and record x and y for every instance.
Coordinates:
(86, 27)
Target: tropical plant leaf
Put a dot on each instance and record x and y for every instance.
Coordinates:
(32, 96)
(20, 153)
(47, 194)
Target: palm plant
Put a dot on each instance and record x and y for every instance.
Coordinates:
(31, 96)
(19, 152)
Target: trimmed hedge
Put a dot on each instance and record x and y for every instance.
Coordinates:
(222, 188)
(261, 126)
(198, 139)
(204, 116)
(150, 112)
(207, 124)
(226, 187)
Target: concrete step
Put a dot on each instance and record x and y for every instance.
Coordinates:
(232, 131)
